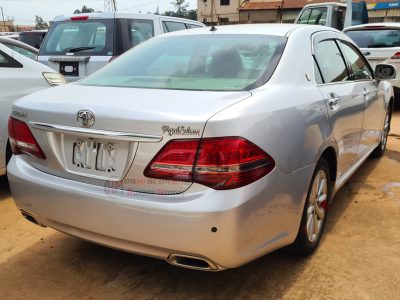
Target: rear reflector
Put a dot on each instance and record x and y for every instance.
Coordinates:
(396, 55)
(21, 139)
(220, 163)
(79, 18)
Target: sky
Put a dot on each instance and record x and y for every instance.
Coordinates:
(24, 11)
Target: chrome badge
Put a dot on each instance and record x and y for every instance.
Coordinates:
(85, 118)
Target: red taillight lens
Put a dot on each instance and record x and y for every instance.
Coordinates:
(175, 161)
(21, 139)
(396, 55)
(231, 162)
(220, 163)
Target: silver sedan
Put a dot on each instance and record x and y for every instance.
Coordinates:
(207, 148)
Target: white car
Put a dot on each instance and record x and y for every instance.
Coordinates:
(380, 43)
(78, 45)
(19, 76)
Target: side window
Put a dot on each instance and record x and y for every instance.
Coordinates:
(140, 31)
(330, 62)
(357, 62)
(313, 16)
(173, 26)
(8, 62)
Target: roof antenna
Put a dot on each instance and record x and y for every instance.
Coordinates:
(213, 28)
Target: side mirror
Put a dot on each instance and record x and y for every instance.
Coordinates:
(385, 72)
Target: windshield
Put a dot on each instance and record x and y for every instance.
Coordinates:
(86, 37)
(25, 52)
(195, 62)
(377, 38)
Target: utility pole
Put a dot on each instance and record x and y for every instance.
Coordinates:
(4, 22)
(110, 5)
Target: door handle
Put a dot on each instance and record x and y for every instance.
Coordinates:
(334, 102)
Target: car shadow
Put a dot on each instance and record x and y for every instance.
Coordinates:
(4, 188)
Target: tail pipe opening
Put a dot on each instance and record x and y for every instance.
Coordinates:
(192, 262)
(30, 218)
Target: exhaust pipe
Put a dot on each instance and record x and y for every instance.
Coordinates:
(191, 262)
(30, 218)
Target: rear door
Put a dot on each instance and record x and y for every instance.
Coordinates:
(78, 46)
(345, 104)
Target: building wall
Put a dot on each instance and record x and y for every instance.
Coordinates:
(211, 11)
(6, 26)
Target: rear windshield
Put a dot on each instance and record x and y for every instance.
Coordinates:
(197, 62)
(86, 37)
(33, 39)
(381, 38)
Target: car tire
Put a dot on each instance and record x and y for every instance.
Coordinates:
(314, 212)
(380, 149)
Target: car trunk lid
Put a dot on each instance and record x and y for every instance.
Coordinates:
(130, 127)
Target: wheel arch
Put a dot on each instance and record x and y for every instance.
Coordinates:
(329, 154)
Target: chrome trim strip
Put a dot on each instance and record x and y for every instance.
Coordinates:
(103, 134)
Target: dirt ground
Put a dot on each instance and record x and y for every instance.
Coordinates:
(359, 256)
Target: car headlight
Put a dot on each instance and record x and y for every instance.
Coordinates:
(54, 78)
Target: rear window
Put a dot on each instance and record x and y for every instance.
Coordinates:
(199, 62)
(377, 38)
(86, 37)
(33, 39)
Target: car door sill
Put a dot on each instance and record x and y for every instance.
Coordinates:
(346, 176)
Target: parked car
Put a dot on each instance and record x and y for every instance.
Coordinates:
(380, 43)
(20, 47)
(19, 76)
(33, 38)
(78, 45)
(208, 147)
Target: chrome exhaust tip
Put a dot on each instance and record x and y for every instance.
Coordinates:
(192, 262)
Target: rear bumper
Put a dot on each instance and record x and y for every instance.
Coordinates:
(250, 221)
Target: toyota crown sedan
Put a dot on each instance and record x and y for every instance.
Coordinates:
(207, 148)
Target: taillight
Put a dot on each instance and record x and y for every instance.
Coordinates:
(220, 163)
(396, 55)
(21, 139)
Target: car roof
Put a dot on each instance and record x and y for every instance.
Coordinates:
(259, 29)
(7, 40)
(112, 15)
(373, 26)
(326, 4)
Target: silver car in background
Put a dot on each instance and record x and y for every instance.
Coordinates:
(207, 148)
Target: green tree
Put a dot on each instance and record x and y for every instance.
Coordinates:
(84, 10)
(181, 7)
(192, 14)
(40, 24)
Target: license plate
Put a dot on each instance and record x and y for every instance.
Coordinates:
(69, 68)
(91, 154)
(96, 158)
